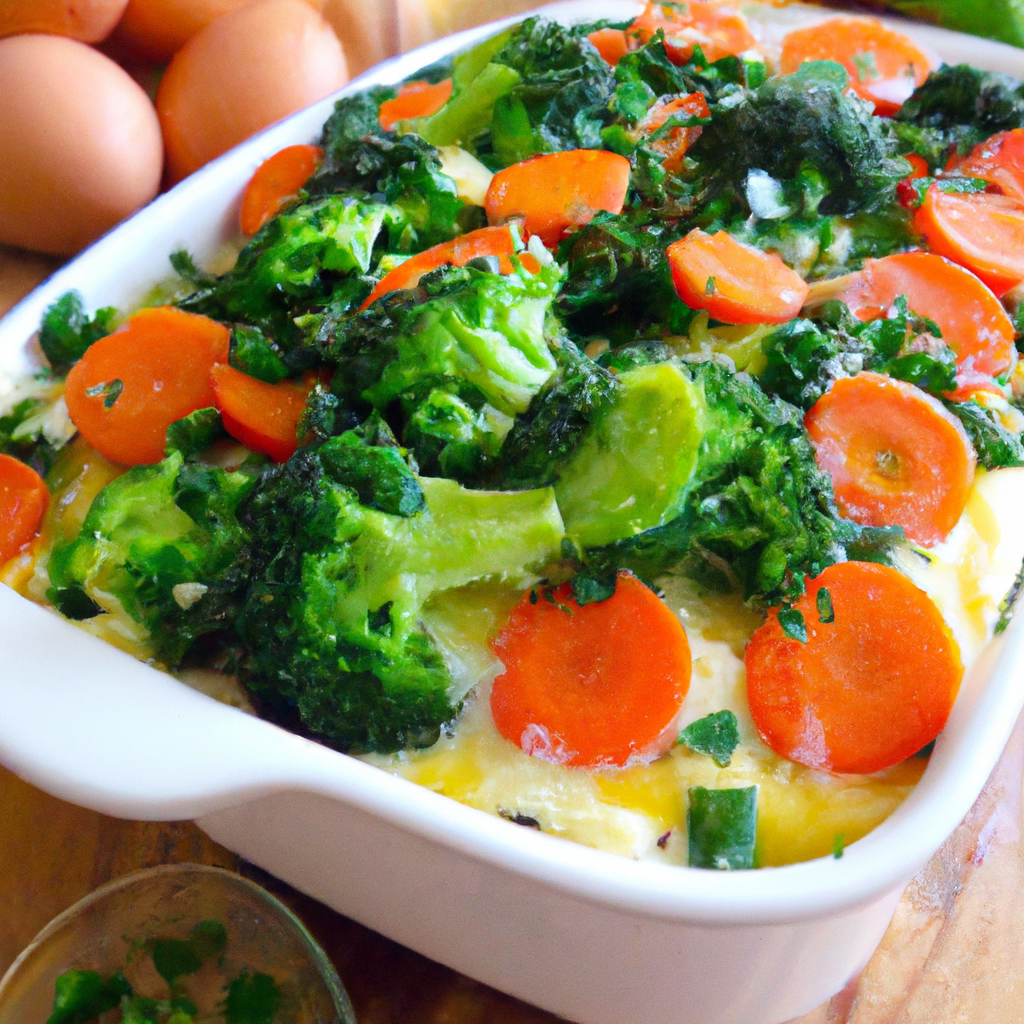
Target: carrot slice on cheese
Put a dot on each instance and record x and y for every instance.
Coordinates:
(874, 682)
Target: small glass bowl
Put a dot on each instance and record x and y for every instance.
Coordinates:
(104, 932)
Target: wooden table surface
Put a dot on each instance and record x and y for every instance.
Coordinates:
(954, 953)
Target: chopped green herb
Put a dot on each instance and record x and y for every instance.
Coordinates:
(793, 625)
(173, 958)
(194, 433)
(838, 845)
(716, 735)
(722, 827)
(110, 391)
(864, 62)
(826, 613)
(710, 288)
(66, 332)
(252, 999)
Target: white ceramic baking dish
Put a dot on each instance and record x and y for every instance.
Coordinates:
(591, 936)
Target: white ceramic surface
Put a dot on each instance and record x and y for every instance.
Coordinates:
(591, 936)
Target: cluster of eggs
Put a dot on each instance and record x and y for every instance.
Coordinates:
(83, 144)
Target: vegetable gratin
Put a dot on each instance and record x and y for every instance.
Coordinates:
(615, 429)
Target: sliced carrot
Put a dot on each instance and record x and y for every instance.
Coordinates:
(497, 241)
(677, 141)
(130, 386)
(23, 501)
(414, 99)
(896, 456)
(715, 27)
(736, 283)
(558, 192)
(264, 417)
(276, 182)
(611, 43)
(874, 683)
(885, 67)
(595, 685)
(982, 232)
(972, 320)
(999, 160)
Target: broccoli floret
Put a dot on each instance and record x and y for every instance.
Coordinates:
(360, 157)
(162, 543)
(631, 470)
(458, 357)
(756, 514)
(795, 122)
(331, 624)
(806, 356)
(66, 332)
(294, 262)
(549, 431)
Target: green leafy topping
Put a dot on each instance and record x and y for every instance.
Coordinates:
(254, 353)
(173, 958)
(81, 996)
(109, 391)
(793, 624)
(66, 332)
(194, 433)
(722, 827)
(716, 735)
(996, 446)
(838, 845)
(826, 613)
(252, 999)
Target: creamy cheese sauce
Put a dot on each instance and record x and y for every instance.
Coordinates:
(640, 811)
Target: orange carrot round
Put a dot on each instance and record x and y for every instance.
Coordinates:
(896, 456)
(558, 192)
(414, 99)
(999, 160)
(277, 181)
(874, 683)
(23, 501)
(674, 145)
(130, 386)
(736, 283)
(611, 43)
(714, 26)
(982, 232)
(885, 67)
(494, 241)
(264, 417)
(595, 685)
(972, 320)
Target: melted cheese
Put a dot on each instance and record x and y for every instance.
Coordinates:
(640, 811)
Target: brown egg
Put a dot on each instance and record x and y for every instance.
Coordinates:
(156, 29)
(79, 144)
(87, 20)
(248, 69)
